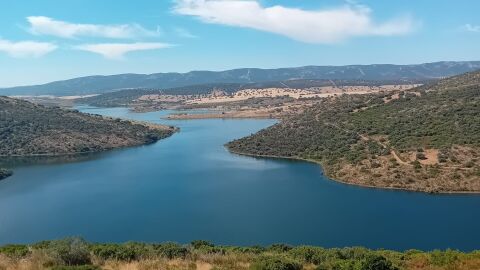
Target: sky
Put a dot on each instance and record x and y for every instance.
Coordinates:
(48, 40)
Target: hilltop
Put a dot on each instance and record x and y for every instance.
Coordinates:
(422, 139)
(103, 84)
(28, 129)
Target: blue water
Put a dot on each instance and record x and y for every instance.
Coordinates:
(189, 187)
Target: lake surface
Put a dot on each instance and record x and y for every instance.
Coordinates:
(189, 187)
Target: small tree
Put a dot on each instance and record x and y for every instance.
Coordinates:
(376, 262)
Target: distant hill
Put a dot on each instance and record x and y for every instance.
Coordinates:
(423, 139)
(28, 129)
(102, 84)
(126, 96)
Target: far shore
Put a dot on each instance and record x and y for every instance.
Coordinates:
(227, 115)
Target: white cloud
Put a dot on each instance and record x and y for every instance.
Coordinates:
(471, 28)
(23, 49)
(118, 50)
(41, 25)
(184, 33)
(312, 26)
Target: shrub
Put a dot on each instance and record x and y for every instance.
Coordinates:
(70, 251)
(353, 253)
(279, 248)
(125, 252)
(275, 263)
(171, 250)
(416, 165)
(443, 258)
(344, 265)
(421, 156)
(15, 251)
(244, 250)
(104, 251)
(201, 243)
(41, 245)
(308, 254)
(377, 262)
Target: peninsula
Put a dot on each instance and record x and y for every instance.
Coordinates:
(422, 139)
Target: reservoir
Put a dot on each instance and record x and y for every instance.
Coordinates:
(189, 187)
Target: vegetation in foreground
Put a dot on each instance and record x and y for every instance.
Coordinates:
(75, 253)
(28, 129)
(424, 139)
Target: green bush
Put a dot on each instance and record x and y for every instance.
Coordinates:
(244, 250)
(122, 252)
(279, 248)
(344, 265)
(444, 258)
(275, 263)
(69, 251)
(171, 250)
(308, 254)
(15, 251)
(376, 262)
(41, 245)
(197, 244)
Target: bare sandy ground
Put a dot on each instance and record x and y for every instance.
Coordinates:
(315, 92)
(224, 115)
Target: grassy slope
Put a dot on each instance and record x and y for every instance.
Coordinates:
(204, 255)
(30, 129)
(384, 140)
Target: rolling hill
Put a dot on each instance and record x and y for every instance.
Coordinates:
(383, 72)
(424, 139)
(28, 129)
(126, 96)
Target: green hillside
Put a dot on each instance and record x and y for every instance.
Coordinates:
(425, 139)
(28, 129)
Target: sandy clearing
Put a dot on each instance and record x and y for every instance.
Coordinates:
(219, 96)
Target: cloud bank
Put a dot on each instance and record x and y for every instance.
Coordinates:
(311, 26)
(24, 49)
(41, 25)
(118, 50)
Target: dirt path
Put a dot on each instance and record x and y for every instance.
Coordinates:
(392, 151)
(399, 160)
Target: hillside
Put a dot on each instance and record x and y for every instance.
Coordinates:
(27, 129)
(102, 84)
(127, 96)
(424, 139)
(77, 254)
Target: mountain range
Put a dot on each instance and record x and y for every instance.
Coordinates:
(377, 72)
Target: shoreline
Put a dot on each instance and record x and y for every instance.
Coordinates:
(202, 116)
(174, 129)
(5, 173)
(354, 184)
(152, 126)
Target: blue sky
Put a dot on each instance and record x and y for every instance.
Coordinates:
(42, 41)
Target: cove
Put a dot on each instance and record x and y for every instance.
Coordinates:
(190, 187)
